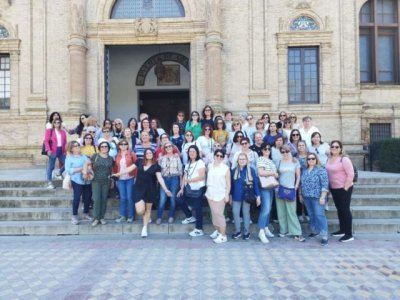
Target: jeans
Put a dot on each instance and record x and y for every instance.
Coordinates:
(100, 196)
(126, 189)
(316, 212)
(172, 183)
(266, 202)
(342, 199)
(84, 190)
(52, 163)
(236, 205)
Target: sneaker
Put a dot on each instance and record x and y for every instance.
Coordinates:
(189, 220)
(144, 232)
(214, 235)
(337, 233)
(220, 239)
(246, 236)
(86, 217)
(324, 242)
(311, 235)
(50, 186)
(346, 238)
(301, 219)
(74, 220)
(149, 221)
(95, 223)
(282, 235)
(120, 219)
(299, 238)
(275, 221)
(307, 218)
(158, 222)
(236, 235)
(129, 220)
(262, 237)
(103, 222)
(170, 220)
(268, 233)
(59, 177)
(196, 232)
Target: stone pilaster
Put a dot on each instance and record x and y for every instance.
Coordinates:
(77, 52)
(214, 46)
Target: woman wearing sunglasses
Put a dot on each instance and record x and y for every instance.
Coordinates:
(206, 143)
(314, 187)
(294, 139)
(188, 141)
(320, 148)
(194, 124)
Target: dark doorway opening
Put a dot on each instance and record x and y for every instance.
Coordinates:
(164, 105)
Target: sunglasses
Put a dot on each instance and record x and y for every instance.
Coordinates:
(285, 151)
(123, 144)
(75, 145)
(236, 124)
(335, 147)
(188, 134)
(311, 158)
(92, 131)
(195, 115)
(219, 155)
(282, 115)
(168, 146)
(293, 117)
(295, 134)
(106, 131)
(118, 123)
(104, 146)
(244, 143)
(180, 115)
(248, 119)
(267, 149)
(240, 136)
(207, 129)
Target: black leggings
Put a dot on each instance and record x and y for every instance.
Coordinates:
(342, 199)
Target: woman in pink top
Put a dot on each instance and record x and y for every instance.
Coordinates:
(341, 174)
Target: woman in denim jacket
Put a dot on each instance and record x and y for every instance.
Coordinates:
(314, 187)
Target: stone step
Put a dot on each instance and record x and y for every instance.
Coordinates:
(367, 178)
(33, 191)
(368, 212)
(379, 200)
(377, 189)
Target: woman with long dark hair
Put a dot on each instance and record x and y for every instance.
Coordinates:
(82, 123)
(194, 124)
(207, 116)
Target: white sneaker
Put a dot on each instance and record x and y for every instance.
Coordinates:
(144, 232)
(74, 220)
(220, 239)
(262, 237)
(87, 217)
(50, 186)
(189, 220)
(196, 232)
(268, 233)
(214, 235)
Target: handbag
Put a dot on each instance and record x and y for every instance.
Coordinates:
(268, 182)
(287, 193)
(188, 192)
(249, 194)
(44, 152)
(66, 185)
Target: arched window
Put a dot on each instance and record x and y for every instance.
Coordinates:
(379, 40)
(134, 9)
(3, 32)
(304, 23)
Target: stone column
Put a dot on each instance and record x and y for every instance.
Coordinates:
(77, 53)
(213, 50)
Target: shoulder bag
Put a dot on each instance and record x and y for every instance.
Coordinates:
(268, 182)
(44, 152)
(287, 193)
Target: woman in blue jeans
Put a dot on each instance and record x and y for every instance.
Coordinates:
(265, 168)
(314, 187)
(171, 171)
(125, 169)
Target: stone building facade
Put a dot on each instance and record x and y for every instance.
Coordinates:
(300, 56)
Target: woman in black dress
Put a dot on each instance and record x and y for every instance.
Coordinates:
(148, 172)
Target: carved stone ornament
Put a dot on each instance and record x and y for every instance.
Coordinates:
(300, 4)
(303, 5)
(304, 23)
(146, 27)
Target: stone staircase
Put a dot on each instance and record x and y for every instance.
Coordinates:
(28, 208)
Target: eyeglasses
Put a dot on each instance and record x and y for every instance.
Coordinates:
(123, 144)
(195, 115)
(295, 134)
(244, 143)
(207, 129)
(267, 149)
(284, 151)
(236, 124)
(249, 118)
(219, 155)
(282, 115)
(311, 158)
(168, 146)
(335, 147)
(188, 134)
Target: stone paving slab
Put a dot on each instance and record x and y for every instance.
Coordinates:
(178, 267)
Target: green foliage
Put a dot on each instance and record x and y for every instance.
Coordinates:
(389, 155)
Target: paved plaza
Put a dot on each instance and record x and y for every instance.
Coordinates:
(177, 267)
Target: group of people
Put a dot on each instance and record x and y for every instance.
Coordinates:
(240, 163)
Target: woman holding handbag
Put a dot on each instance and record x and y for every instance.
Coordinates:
(243, 177)
(266, 169)
(289, 180)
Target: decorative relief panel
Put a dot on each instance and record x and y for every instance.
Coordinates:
(146, 27)
(304, 23)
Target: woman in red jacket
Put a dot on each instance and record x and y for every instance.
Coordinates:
(55, 141)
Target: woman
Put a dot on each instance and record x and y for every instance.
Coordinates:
(319, 147)
(88, 148)
(145, 125)
(251, 155)
(112, 141)
(189, 141)
(272, 134)
(235, 146)
(302, 153)
(180, 120)
(294, 139)
(194, 178)
(218, 189)
(282, 117)
(194, 124)
(73, 166)
(265, 168)
(289, 178)
(243, 175)
(260, 127)
(206, 143)
(145, 187)
(293, 119)
(314, 187)
(125, 169)
(276, 150)
(129, 138)
(133, 125)
(102, 166)
(287, 129)
(82, 123)
(176, 138)
(53, 116)
(341, 174)
(207, 116)
(107, 124)
(55, 142)
(236, 126)
(156, 126)
(171, 172)
(145, 143)
(118, 129)
(267, 119)
(220, 134)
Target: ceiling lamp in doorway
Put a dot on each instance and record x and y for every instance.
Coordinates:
(159, 70)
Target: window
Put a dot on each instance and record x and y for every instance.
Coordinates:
(5, 81)
(380, 131)
(303, 75)
(379, 38)
(134, 9)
